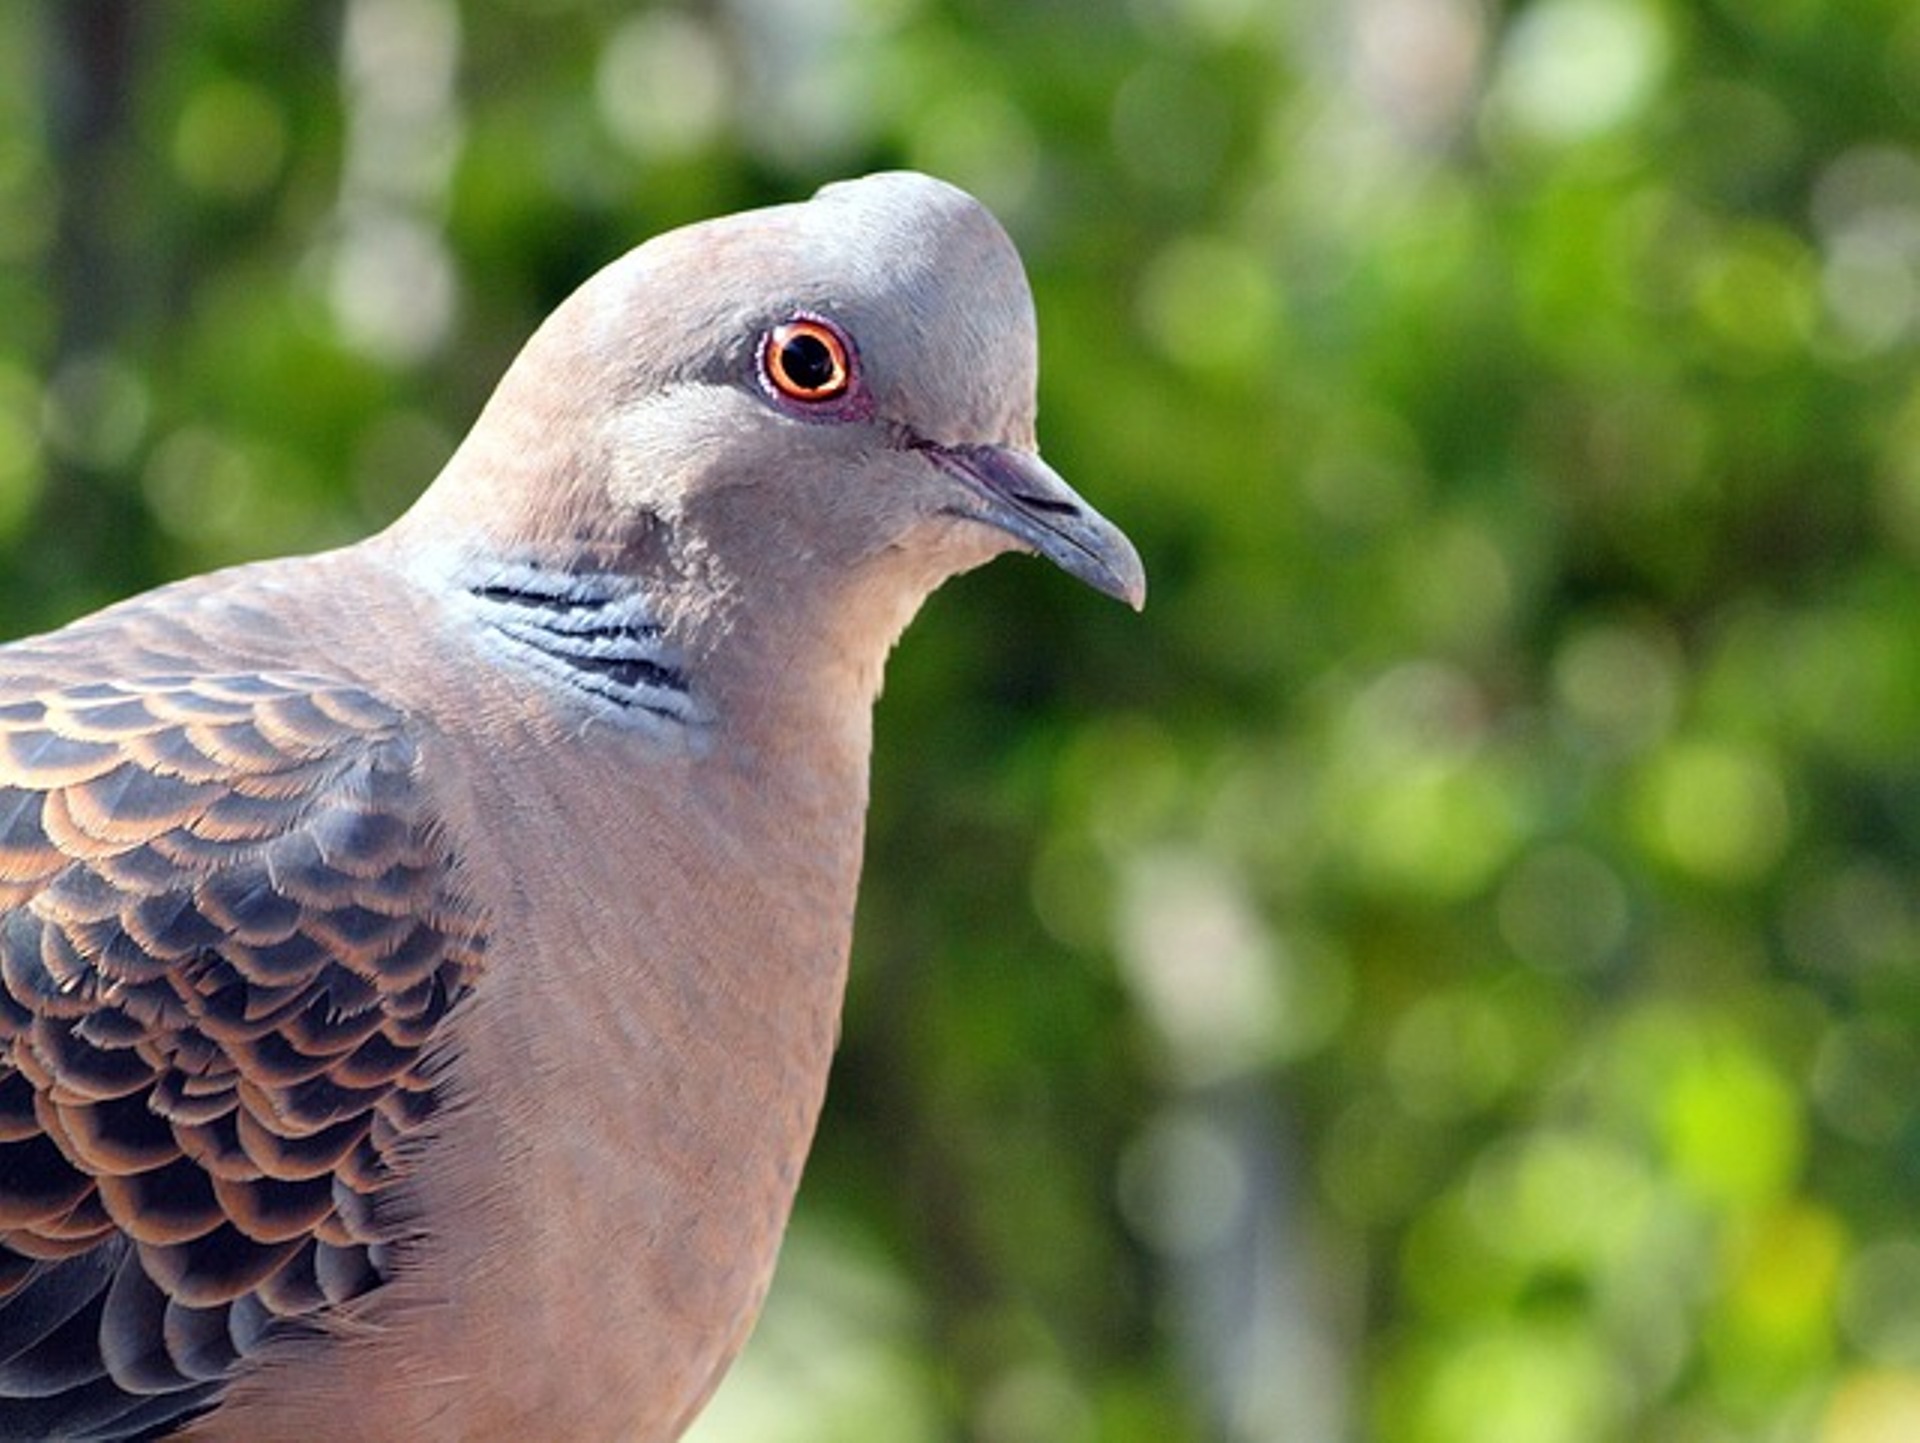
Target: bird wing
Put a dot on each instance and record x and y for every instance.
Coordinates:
(229, 929)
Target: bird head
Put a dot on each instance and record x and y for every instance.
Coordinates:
(831, 400)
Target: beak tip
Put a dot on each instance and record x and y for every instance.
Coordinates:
(1098, 553)
(1117, 568)
(1130, 581)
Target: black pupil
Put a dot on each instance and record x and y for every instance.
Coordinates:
(808, 362)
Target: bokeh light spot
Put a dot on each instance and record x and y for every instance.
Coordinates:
(1571, 69)
(1211, 304)
(1619, 682)
(1732, 1127)
(1562, 907)
(663, 85)
(231, 139)
(1715, 810)
(1880, 1302)
(1873, 1407)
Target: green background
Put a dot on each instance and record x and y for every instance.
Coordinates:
(1446, 973)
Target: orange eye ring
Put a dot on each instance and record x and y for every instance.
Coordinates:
(807, 360)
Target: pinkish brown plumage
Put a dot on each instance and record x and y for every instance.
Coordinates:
(419, 963)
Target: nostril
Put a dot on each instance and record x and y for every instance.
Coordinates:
(1048, 504)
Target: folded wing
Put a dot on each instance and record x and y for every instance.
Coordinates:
(230, 930)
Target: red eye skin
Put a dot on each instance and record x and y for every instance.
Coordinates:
(808, 366)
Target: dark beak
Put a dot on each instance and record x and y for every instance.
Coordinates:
(1018, 493)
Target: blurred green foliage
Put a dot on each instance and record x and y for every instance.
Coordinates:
(1447, 973)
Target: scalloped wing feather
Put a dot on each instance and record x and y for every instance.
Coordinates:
(228, 932)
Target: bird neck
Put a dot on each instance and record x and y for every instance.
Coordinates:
(658, 634)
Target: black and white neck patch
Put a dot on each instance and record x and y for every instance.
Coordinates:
(592, 632)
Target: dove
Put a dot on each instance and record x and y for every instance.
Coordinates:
(420, 962)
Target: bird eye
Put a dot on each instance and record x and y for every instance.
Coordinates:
(807, 360)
